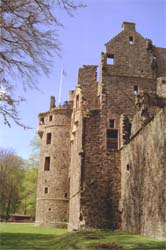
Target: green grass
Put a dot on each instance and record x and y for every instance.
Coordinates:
(27, 236)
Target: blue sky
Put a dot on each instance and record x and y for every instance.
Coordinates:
(83, 38)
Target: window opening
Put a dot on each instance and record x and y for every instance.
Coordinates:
(112, 139)
(65, 195)
(49, 209)
(50, 118)
(47, 164)
(41, 120)
(48, 138)
(77, 101)
(128, 167)
(46, 190)
(131, 40)
(110, 59)
(111, 123)
(135, 90)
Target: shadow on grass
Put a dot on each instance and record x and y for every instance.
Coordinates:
(74, 241)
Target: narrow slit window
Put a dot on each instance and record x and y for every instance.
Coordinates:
(128, 167)
(50, 118)
(111, 123)
(112, 139)
(135, 90)
(46, 190)
(110, 59)
(131, 40)
(47, 164)
(77, 101)
(48, 138)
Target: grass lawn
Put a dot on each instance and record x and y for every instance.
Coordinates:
(27, 236)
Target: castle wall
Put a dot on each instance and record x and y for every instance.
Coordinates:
(100, 191)
(93, 180)
(85, 100)
(75, 171)
(143, 180)
(53, 184)
(129, 73)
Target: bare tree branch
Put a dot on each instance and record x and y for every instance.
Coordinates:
(28, 39)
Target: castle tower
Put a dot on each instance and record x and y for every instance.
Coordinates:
(53, 187)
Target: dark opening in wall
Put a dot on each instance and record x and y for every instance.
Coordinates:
(77, 101)
(49, 209)
(50, 118)
(46, 190)
(128, 167)
(112, 139)
(81, 217)
(47, 164)
(65, 195)
(110, 59)
(41, 121)
(111, 123)
(131, 40)
(48, 138)
(135, 90)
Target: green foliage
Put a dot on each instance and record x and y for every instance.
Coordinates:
(20, 237)
(29, 183)
(11, 172)
(28, 193)
(18, 180)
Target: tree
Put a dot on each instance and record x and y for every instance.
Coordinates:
(11, 174)
(28, 41)
(29, 183)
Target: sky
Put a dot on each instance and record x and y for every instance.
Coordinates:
(83, 37)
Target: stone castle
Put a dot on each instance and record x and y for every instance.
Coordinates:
(103, 153)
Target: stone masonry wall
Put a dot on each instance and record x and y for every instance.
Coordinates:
(100, 178)
(131, 68)
(75, 171)
(53, 185)
(143, 180)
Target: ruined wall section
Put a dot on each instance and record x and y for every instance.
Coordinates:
(143, 180)
(85, 99)
(129, 72)
(160, 55)
(53, 185)
(87, 81)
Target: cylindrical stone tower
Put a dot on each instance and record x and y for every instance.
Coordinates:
(53, 184)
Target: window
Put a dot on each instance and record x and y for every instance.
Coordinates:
(46, 190)
(65, 195)
(128, 167)
(112, 139)
(131, 40)
(41, 120)
(111, 123)
(77, 101)
(50, 118)
(49, 209)
(47, 164)
(135, 90)
(110, 59)
(48, 138)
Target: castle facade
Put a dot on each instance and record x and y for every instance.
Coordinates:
(103, 153)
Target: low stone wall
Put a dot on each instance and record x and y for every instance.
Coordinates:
(143, 183)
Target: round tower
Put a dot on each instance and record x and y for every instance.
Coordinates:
(53, 184)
